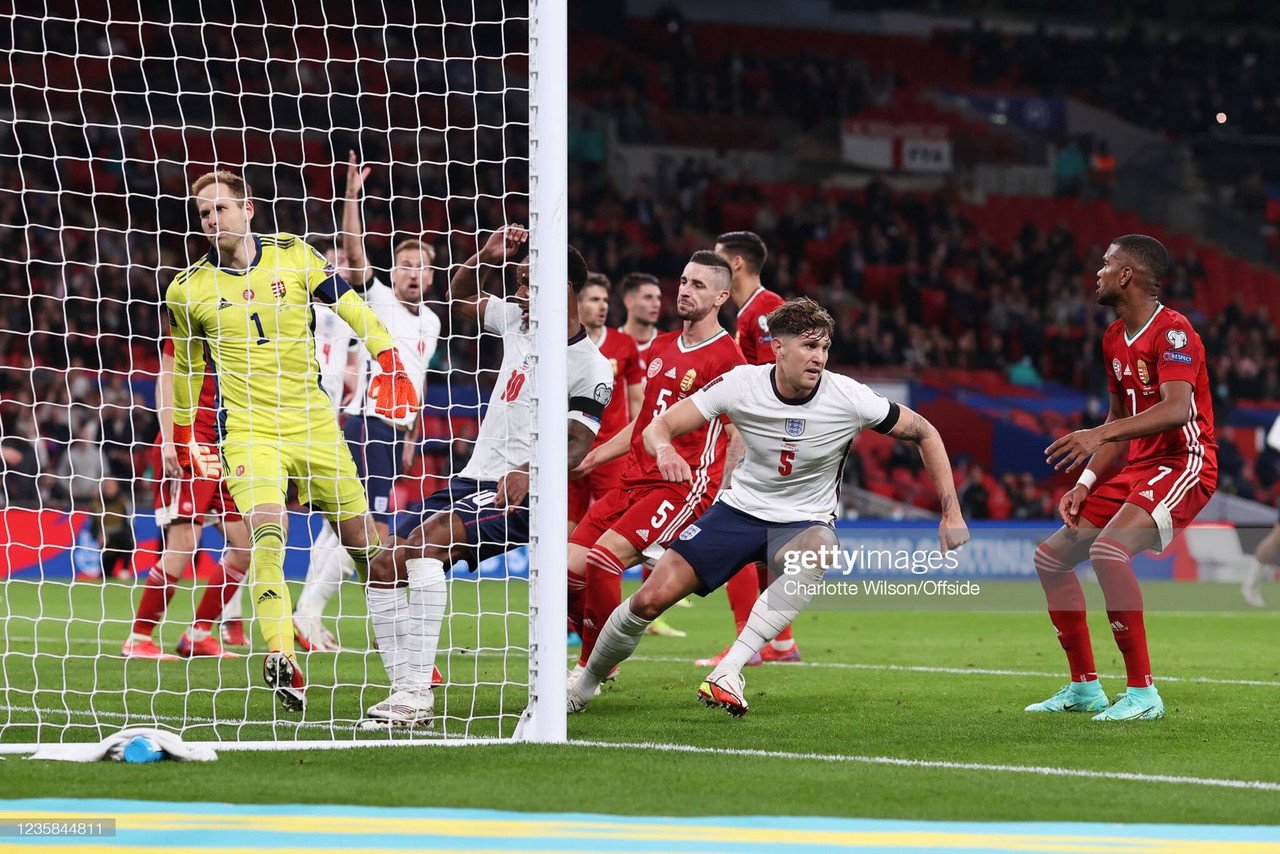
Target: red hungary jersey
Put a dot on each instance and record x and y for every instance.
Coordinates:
(753, 327)
(620, 349)
(1167, 348)
(675, 372)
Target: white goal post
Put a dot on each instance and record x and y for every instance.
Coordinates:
(104, 122)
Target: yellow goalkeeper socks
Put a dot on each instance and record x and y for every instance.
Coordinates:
(274, 611)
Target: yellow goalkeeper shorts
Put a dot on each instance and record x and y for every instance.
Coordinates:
(258, 470)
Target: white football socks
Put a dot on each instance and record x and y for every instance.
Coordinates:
(329, 561)
(389, 613)
(776, 608)
(618, 639)
(428, 598)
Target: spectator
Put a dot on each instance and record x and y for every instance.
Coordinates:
(974, 495)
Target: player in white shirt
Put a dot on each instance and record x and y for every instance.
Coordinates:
(484, 509)
(382, 448)
(1267, 556)
(797, 421)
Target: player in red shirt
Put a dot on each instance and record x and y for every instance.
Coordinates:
(1162, 412)
(645, 512)
(182, 503)
(628, 391)
(642, 298)
(746, 254)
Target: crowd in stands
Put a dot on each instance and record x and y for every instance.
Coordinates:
(1175, 81)
(956, 299)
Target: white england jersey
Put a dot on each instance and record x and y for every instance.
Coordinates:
(416, 336)
(333, 343)
(503, 442)
(795, 448)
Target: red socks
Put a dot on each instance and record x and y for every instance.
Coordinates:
(156, 595)
(603, 595)
(218, 591)
(1124, 607)
(577, 600)
(743, 589)
(1066, 609)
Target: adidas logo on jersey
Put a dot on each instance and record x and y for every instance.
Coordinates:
(224, 303)
(1127, 371)
(270, 594)
(671, 374)
(1148, 494)
(642, 533)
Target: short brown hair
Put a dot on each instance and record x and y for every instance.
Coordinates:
(633, 282)
(600, 280)
(238, 186)
(748, 246)
(801, 316)
(707, 258)
(414, 243)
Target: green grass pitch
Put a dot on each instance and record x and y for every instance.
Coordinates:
(939, 686)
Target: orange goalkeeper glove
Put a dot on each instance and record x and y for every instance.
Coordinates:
(200, 460)
(393, 391)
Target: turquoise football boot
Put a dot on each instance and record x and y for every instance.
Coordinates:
(1135, 704)
(1076, 697)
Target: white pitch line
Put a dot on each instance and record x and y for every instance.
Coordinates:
(1041, 770)
(825, 665)
(979, 671)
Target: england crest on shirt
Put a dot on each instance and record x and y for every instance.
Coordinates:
(794, 426)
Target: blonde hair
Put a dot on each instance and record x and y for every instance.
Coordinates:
(237, 185)
(414, 243)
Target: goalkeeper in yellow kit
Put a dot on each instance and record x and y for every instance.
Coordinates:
(249, 303)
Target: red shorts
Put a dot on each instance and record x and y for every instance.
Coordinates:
(594, 486)
(1172, 491)
(189, 498)
(645, 516)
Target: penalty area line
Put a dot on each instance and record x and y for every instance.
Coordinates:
(900, 762)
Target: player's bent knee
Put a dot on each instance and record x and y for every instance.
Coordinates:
(382, 569)
(648, 604)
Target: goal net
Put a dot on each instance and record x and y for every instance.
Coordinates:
(105, 120)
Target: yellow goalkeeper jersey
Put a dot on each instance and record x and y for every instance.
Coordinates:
(257, 325)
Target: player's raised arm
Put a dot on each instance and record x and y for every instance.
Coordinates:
(467, 297)
(396, 397)
(187, 377)
(352, 230)
(916, 429)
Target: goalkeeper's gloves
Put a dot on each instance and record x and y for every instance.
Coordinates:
(200, 460)
(393, 391)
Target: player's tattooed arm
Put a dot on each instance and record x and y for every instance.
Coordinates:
(467, 295)
(580, 440)
(733, 457)
(916, 429)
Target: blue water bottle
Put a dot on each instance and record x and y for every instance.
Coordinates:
(142, 749)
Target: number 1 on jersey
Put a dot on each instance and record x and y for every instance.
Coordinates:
(257, 321)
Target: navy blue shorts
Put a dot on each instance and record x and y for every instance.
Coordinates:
(490, 530)
(723, 540)
(377, 448)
